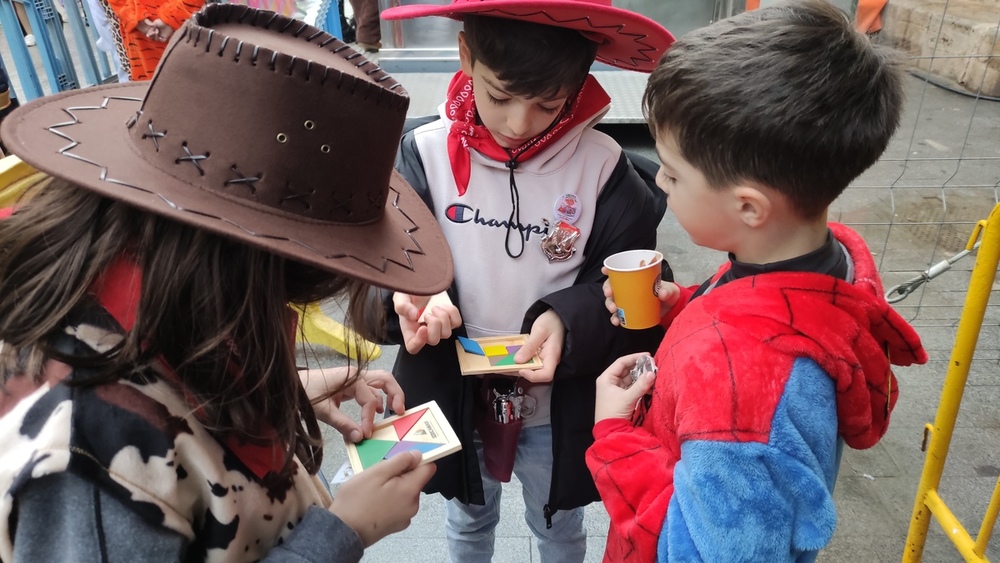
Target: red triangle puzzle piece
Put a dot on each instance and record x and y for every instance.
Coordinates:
(404, 424)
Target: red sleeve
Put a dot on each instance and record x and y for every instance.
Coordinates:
(682, 301)
(624, 460)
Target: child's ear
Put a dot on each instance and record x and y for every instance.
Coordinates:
(464, 55)
(754, 205)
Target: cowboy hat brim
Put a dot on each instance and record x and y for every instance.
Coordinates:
(81, 136)
(625, 39)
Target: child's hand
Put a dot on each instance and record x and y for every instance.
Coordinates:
(615, 398)
(146, 27)
(382, 499)
(437, 326)
(668, 295)
(546, 340)
(367, 390)
(162, 31)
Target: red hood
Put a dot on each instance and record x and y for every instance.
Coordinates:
(847, 328)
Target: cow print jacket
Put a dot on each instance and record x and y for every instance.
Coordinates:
(138, 441)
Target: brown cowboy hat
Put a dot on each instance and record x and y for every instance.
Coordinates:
(260, 128)
(625, 39)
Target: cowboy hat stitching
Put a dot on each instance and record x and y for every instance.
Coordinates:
(65, 151)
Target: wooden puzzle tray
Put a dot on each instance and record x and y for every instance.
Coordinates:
(493, 354)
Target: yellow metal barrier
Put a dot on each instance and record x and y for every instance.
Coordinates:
(16, 177)
(937, 437)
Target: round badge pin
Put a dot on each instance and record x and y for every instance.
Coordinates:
(567, 208)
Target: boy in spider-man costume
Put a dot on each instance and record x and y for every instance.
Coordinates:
(731, 451)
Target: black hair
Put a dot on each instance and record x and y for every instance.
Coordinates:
(531, 59)
(790, 96)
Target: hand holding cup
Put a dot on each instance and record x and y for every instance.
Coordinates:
(635, 295)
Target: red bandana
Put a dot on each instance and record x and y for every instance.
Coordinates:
(466, 133)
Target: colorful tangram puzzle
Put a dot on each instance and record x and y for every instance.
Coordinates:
(494, 354)
(423, 428)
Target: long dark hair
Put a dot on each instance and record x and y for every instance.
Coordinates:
(213, 309)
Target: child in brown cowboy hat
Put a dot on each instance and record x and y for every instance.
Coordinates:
(151, 409)
(531, 199)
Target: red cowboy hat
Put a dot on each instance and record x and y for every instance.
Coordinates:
(626, 39)
(259, 128)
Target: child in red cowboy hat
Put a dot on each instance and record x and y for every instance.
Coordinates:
(531, 199)
(150, 407)
(730, 450)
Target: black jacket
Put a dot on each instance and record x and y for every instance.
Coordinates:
(628, 211)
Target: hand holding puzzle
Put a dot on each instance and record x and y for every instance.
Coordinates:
(494, 354)
(423, 428)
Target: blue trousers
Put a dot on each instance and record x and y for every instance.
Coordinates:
(470, 528)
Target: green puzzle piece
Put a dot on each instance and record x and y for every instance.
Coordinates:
(507, 360)
(371, 452)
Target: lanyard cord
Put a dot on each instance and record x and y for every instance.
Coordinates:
(515, 198)
(515, 212)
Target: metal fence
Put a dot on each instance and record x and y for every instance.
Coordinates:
(65, 48)
(66, 42)
(918, 208)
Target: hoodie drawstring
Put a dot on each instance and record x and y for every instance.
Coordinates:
(515, 212)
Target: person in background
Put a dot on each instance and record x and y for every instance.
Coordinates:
(368, 25)
(141, 29)
(22, 18)
(102, 18)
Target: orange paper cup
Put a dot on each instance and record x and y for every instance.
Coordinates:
(635, 282)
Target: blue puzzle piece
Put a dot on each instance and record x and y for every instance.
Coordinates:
(471, 346)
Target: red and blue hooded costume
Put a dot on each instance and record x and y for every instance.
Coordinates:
(734, 454)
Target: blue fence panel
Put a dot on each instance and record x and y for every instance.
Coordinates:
(31, 87)
(58, 60)
(61, 63)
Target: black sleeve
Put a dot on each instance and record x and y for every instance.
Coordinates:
(411, 166)
(628, 212)
(67, 518)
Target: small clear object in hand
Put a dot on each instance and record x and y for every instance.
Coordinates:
(644, 364)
